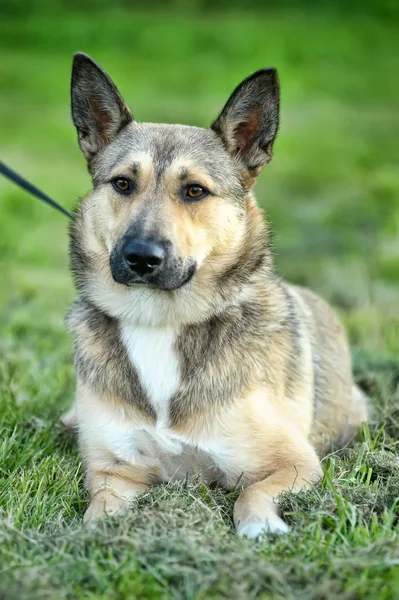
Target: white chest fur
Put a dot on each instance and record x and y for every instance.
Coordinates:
(169, 454)
(151, 351)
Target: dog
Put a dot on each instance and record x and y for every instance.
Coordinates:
(191, 354)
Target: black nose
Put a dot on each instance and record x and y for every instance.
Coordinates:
(143, 256)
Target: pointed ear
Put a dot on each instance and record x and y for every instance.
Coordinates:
(249, 121)
(98, 110)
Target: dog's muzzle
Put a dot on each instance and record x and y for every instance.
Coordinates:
(149, 261)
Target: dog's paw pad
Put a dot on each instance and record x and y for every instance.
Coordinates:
(255, 531)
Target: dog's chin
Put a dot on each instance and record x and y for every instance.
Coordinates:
(185, 280)
(162, 284)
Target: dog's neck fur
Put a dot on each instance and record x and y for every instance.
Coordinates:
(241, 307)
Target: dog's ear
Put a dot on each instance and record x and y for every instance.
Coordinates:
(98, 110)
(249, 121)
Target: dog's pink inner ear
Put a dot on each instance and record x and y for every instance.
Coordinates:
(101, 115)
(246, 131)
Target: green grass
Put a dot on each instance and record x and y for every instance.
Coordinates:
(332, 193)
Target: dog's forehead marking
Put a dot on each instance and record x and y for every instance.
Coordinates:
(164, 143)
(186, 168)
(176, 144)
(133, 163)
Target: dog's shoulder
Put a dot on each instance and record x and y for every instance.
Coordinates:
(101, 358)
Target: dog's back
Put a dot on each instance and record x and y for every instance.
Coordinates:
(339, 405)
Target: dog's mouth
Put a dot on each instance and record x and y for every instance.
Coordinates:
(191, 272)
(168, 278)
(165, 286)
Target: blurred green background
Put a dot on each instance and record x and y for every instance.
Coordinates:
(332, 195)
(331, 191)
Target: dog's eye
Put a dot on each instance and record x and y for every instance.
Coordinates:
(122, 185)
(195, 192)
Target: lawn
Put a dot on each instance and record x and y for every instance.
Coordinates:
(332, 195)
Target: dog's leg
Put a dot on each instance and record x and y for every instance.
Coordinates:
(106, 436)
(358, 414)
(256, 510)
(112, 491)
(70, 419)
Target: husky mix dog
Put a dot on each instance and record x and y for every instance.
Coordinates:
(192, 355)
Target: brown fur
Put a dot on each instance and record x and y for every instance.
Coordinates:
(260, 373)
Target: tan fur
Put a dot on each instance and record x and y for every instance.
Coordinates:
(264, 433)
(260, 372)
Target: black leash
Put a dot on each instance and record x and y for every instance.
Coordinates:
(7, 172)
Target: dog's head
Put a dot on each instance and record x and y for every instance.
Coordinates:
(169, 202)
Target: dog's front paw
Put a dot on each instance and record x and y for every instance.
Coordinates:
(256, 530)
(105, 506)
